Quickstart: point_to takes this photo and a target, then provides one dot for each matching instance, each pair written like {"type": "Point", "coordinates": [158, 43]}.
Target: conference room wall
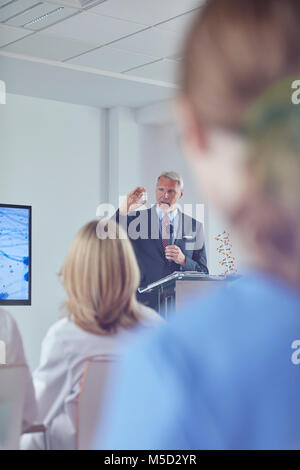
{"type": "Point", "coordinates": [125, 158]}
{"type": "Point", "coordinates": [52, 157]}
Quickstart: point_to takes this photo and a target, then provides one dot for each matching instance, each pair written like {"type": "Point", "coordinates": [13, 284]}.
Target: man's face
{"type": "Point", "coordinates": [168, 193]}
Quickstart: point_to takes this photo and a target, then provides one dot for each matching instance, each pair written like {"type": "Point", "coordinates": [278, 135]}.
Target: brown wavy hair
{"type": "Point", "coordinates": [236, 50]}
{"type": "Point", "coordinates": [239, 59]}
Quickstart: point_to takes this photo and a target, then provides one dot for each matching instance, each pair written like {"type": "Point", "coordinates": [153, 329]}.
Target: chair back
{"type": "Point", "coordinates": [12, 395]}
{"type": "Point", "coordinates": [93, 386]}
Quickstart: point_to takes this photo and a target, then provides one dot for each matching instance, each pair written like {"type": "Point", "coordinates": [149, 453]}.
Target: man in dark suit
{"type": "Point", "coordinates": [164, 239]}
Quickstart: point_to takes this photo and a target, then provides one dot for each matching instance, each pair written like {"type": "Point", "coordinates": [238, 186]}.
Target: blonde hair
{"type": "Point", "coordinates": [100, 277]}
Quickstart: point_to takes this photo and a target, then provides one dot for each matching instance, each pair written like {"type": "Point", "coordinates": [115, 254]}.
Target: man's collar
{"type": "Point", "coordinates": [161, 213]}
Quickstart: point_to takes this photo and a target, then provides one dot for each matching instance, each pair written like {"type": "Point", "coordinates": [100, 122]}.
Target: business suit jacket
{"type": "Point", "coordinates": [143, 230]}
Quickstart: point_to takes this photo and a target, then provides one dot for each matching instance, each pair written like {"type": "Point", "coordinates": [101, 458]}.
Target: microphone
{"type": "Point", "coordinates": [171, 241]}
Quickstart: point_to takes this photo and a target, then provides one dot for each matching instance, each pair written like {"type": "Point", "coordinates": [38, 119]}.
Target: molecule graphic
{"type": "Point", "coordinates": [225, 247]}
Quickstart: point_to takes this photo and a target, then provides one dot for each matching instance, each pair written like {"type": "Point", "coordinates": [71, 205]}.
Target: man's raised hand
{"type": "Point", "coordinates": [133, 201]}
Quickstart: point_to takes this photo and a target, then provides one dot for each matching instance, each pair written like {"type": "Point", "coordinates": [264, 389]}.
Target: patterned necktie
{"type": "Point", "coordinates": [165, 230]}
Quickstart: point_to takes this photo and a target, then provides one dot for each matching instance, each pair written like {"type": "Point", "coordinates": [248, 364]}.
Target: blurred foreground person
{"type": "Point", "coordinates": [14, 356]}
{"type": "Point", "coordinates": [224, 373]}
{"type": "Point", "coordinates": [100, 277]}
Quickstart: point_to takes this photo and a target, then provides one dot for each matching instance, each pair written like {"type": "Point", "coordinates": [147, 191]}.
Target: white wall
{"type": "Point", "coordinates": [53, 158]}
{"type": "Point", "coordinates": [160, 151]}
{"type": "Point", "coordinates": [125, 159]}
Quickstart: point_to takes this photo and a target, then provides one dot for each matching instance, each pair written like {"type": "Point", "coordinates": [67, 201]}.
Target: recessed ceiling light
{"type": "Point", "coordinates": [40, 18]}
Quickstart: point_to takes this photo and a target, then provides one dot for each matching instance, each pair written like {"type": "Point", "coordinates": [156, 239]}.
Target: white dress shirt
{"type": "Point", "coordinates": [173, 216]}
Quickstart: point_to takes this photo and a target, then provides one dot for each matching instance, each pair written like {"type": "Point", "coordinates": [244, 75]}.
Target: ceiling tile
{"type": "Point", "coordinates": [9, 34]}
{"type": "Point", "coordinates": [163, 70]}
{"type": "Point", "coordinates": [94, 28]}
{"type": "Point", "coordinates": [9, 9]}
{"type": "Point", "coordinates": [111, 59]}
{"type": "Point", "coordinates": [154, 42]}
{"type": "Point", "coordinates": [148, 12]}
{"type": "Point", "coordinates": [48, 47]}
{"type": "Point", "coordinates": [181, 24]}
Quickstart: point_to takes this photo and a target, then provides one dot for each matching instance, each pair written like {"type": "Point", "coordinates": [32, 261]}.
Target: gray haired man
{"type": "Point", "coordinates": [164, 238]}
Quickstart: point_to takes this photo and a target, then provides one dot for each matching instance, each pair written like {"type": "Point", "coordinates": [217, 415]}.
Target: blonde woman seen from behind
{"type": "Point", "coordinates": [100, 277]}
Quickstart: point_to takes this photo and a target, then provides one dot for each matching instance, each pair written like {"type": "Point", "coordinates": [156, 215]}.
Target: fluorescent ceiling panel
{"type": "Point", "coordinates": [41, 15]}
{"type": "Point", "coordinates": [9, 34]}
{"type": "Point", "coordinates": [111, 59]}
{"type": "Point", "coordinates": [163, 70]}
{"type": "Point", "coordinates": [56, 14]}
{"type": "Point", "coordinates": [40, 9]}
{"type": "Point", "coordinates": [153, 42]}
{"type": "Point", "coordinates": [48, 47]}
{"type": "Point", "coordinates": [148, 12]}
{"type": "Point", "coordinates": [94, 28]}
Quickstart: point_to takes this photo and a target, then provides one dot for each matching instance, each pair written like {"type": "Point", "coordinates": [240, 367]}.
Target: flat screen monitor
{"type": "Point", "coordinates": [15, 254]}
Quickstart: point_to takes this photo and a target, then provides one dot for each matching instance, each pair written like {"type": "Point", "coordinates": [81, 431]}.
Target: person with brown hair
{"type": "Point", "coordinates": [223, 374]}
{"type": "Point", "coordinates": [100, 277]}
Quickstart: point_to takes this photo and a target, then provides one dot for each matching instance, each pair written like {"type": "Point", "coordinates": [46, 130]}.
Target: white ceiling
{"type": "Point", "coordinates": [164, 68]}
{"type": "Point", "coordinates": [112, 59]}
{"type": "Point", "coordinates": [43, 79]}
{"type": "Point", "coordinates": [140, 40]}
{"type": "Point", "coordinates": [96, 29]}
{"type": "Point", "coordinates": [148, 12]}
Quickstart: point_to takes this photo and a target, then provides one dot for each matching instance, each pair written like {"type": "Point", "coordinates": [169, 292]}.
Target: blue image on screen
{"type": "Point", "coordinates": [14, 254]}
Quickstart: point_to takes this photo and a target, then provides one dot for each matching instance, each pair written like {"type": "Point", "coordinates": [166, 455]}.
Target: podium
{"type": "Point", "coordinates": [174, 290]}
